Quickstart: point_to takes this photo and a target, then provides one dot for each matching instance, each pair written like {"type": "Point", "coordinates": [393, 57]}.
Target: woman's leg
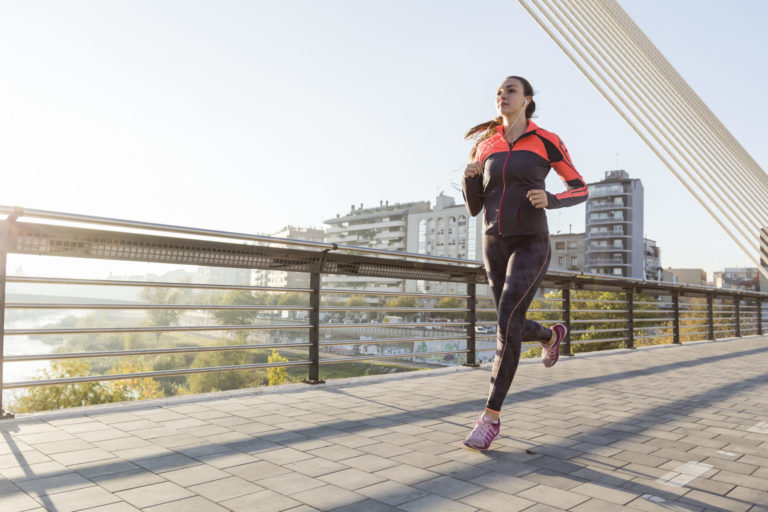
{"type": "Point", "coordinates": [525, 271]}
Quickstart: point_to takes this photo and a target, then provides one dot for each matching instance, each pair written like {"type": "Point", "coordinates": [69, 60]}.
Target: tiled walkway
{"type": "Point", "coordinates": [670, 428]}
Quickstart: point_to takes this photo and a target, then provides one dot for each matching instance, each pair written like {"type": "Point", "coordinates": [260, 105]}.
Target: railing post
{"type": "Point", "coordinates": [3, 263]}
{"type": "Point", "coordinates": [676, 322]}
{"type": "Point", "coordinates": [737, 300]}
{"type": "Point", "coordinates": [711, 317]}
{"type": "Point", "coordinates": [631, 319]}
{"type": "Point", "coordinates": [314, 329]}
{"type": "Point", "coordinates": [472, 322]}
{"type": "Point", "coordinates": [759, 305]}
{"type": "Point", "coordinates": [567, 319]}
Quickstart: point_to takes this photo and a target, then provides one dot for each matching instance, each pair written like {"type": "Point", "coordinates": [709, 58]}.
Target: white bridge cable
{"type": "Point", "coordinates": [726, 137]}
{"type": "Point", "coordinates": [686, 123]}
{"type": "Point", "coordinates": [711, 124]}
{"type": "Point", "coordinates": [660, 138]}
{"type": "Point", "coordinates": [655, 113]}
{"type": "Point", "coordinates": [726, 172]}
{"type": "Point", "coordinates": [667, 147]}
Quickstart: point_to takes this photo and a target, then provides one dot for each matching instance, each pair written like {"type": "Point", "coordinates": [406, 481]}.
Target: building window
{"type": "Point", "coordinates": [472, 240]}
{"type": "Point", "coordinates": [560, 246]}
{"type": "Point", "coordinates": [422, 236]}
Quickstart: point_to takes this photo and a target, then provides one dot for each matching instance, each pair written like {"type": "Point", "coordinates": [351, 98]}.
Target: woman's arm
{"type": "Point", "coordinates": [577, 191]}
{"type": "Point", "coordinates": [472, 187]}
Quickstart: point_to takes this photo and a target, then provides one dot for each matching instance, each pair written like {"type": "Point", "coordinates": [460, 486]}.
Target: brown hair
{"type": "Point", "coordinates": [486, 130]}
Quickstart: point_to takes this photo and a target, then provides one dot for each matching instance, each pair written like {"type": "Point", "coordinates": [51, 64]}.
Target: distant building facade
{"type": "Point", "coordinates": [280, 278]}
{"type": "Point", "coordinates": [697, 276]}
{"type": "Point", "coordinates": [223, 275]}
{"type": "Point", "coordinates": [738, 279]}
{"type": "Point", "coordinates": [446, 230]}
{"type": "Point", "coordinates": [653, 270]}
{"type": "Point", "coordinates": [382, 227]}
{"type": "Point", "coordinates": [614, 227]}
{"type": "Point", "coordinates": [567, 251]}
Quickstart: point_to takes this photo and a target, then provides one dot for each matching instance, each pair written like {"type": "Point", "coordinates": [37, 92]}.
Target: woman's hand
{"type": "Point", "coordinates": [538, 198]}
{"type": "Point", "coordinates": [473, 169]}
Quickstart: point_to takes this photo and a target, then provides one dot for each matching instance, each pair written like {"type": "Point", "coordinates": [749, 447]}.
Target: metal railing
{"type": "Point", "coordinates": [325, 322]}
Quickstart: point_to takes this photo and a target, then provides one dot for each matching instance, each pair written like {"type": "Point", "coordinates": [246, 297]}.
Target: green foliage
{"type": "Point", "coordinates": [452, 302]}
{"type": "Point", "coordinates": [356, 301]}
{"type": "Point", "coordinates": [401, 302]}
{"type": "Point", "coordinates": [161, 317]}
{"type": "Point", "coordinates": [276, 375]}
{"type": "Point", "coordinates": [42, 398]}
{"type": "Point", "coordinates": [238, 298]}
{"type": "Point", "coordinates": [222, 380]}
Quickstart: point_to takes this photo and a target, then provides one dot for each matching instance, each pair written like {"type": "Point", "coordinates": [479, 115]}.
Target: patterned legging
{"type": "Point", "coordinates": [515, 265]}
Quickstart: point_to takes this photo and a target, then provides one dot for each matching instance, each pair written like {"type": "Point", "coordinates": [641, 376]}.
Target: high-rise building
{"type": "Point", "coordinates": [567, 251]}
{"type": "Point", "coordinates": [280, 278]}
{"type": "Point", "coordinates": [381, 227]}
{"type": "Point", "coordinates": [446, 230]}
{"type": "Point", "coordinates": [653, 270]}
{"type": "Point", "coordinates": [614, 227]}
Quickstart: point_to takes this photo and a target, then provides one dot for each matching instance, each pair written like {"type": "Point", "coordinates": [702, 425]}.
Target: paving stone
{"type": "Point", "coordinates": [53, 484]}
{"type": "Point", "coordinates": [352, 479]}
{"type": "Point", "coordinates": [194, 475]}
{"type": "Point", "coordinates": [392, 493]}
{"type": "Point", "coordinates": [328, 497]}
{"type": "Point", "coordinates": [225, 489]}
{"type": "Point", "coordinates": [490, 499]}
{"type": "Point", "coordinates": [154, 494]}
{"type": "Point", "coordinates": [605, 493]}
{"type": "Point", "coordinates": [193, 504]}
{"type": "Point", "coordinates": [290, 483]}
{"type": "Point", "coordinates": [553, 496]}
{"type": "Point", "coordinates": [257, 470]}
{"type": "Point", "coordinates": [17, 502]}
{"type": "Point", "coordinates": [449, 487]}
{"type": "Point", "coordinates": [436, 504]}
{"type": "Point", "coordinates": [115, 482]}
{"type": "Point", "coordinates": [75, 499]}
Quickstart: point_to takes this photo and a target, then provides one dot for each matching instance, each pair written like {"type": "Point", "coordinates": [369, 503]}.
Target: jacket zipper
{"type": "Point", "coordinates": [504, 190]}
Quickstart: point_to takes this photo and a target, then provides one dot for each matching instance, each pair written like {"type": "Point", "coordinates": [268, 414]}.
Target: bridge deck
{"type": "Point", "coordinates": [666, 428]}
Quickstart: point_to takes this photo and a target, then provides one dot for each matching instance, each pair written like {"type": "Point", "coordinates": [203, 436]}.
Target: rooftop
{"type": "Point", "coordinates": [660, 428]}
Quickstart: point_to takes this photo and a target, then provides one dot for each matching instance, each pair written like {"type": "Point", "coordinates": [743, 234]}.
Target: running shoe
{"type": "Point", "coordinates": [550, 355]}
{"type": "Point", "coordinates": [483, 434]}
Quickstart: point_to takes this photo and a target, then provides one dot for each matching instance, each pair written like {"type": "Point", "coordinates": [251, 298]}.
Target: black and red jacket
{"type": "Point", "coordinates": [510, 171]}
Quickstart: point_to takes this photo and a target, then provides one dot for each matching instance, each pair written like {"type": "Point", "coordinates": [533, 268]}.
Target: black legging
{"type": "Point", "coordinates": [516, 266]}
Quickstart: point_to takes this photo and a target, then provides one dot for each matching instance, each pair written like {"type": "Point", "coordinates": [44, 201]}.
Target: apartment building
{"type": "Point", "coordinates": [614, 227]}
{"type": "Point", "coordinates": [280, 278]}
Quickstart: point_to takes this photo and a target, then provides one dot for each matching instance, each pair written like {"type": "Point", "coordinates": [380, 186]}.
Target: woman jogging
{"type": "Point", "coordinates": [510, 162]}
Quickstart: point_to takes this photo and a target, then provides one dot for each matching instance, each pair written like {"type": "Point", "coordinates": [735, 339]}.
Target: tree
{"type": "Point", "coordinates": [161, 317]}
{"type": "Point", "coordinates": [452, 302]}
{"type": "Point", "coordinates": [279, 374]}
{"type": "Point", "coordinates": [58, 396]}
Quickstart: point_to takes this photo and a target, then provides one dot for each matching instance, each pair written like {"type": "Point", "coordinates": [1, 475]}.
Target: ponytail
{"type": "Point", "coordinates": [482, 132]}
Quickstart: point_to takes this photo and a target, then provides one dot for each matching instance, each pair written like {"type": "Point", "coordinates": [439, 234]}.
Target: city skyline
{"type": "Point", "coordinates": [250, 116]}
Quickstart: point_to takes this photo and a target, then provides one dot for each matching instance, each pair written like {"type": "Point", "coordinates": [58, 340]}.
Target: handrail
{"type": "Point", "coordinates": [383, 335]}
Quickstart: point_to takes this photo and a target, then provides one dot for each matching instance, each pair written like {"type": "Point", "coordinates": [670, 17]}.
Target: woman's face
{"type": "Point", "coordinates": [510, 97]}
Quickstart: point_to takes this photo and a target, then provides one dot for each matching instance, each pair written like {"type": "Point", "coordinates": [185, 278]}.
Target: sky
{"type": "Point", "coordinates": [251, 115]}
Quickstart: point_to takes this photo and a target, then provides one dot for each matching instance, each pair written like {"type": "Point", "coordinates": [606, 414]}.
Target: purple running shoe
{"type": "Point", "coordinates": [550, 355]}
{"type": "Point", "coordinates": [483, 434]}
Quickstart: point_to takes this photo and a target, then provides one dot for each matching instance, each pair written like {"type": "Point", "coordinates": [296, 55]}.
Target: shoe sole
{"type": "Point", "coordinates": [473, 449]}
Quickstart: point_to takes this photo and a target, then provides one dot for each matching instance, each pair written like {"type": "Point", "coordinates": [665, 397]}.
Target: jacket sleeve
{"type": "Point", "coordinates": [473, 193]}
{"type": "Point", "coordinates": [576, 188]}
